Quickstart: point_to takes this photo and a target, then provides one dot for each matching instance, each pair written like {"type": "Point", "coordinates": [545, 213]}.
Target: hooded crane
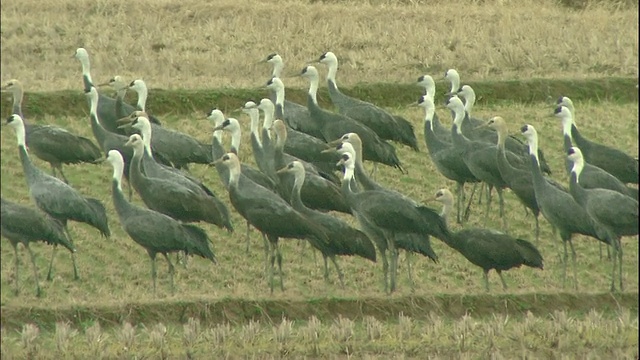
{"type": "Point", "coordinates": [156, 232]}
{"type": "Point", "coordinates": [489, 249]}
{"type": "Point", "coordinates": [418, 243]}
{"type": "Point", "coordinates": [269, 213]}
{"type": "Point", "coordinates": [343, 239]}
{"type": "Point", "coordinates": [56, 198]}
{"type": "Point", "coordinates": [591, 177]}
{"type": "Point", "coordinates": [428, 84]}
{"type": "Point", "coordinates": [301, 146]}
{"type": "Point", "coordinates": [333, 126]}
{"type": "Point", "coordinates": [23, 225]}
{"type": "Point", "coordinates": [558, 206]}
{"type": "Point", "coordinates": [118, 84]}
{"type": "Point", "coordinates": [177, 147]}
{"type": "Point", "coordinates": [262, 151]}
{"type": "Point", "coordinates": [609, 159]}
{"type": "Point", "coordinates": [217, 117]}
{"type": "Point", "coordinates": [296, 115]}
{"type": "Point", "coordinates": [317, 192]}
{"type": "Point", "coordinates": [614, 215]}
{"type": "Point", "coordinates": [479, 156]}
{"type": "Point", "coordinates": [307, 147]}
{"type": "Point", "coordinates": [390, 213]}
{"type": "Point", "coordinates": [106, 105]}
{"type": "Point", "coordinates": [53, 144]}
{"type": "Point", "coordinates": [446, 157]}
{"type": "Point", "coordinates": [387, 126]}
{"type": "Point", "coordinates": [108, 140]}
{"type": "Point", "coordinates": [473, 129]}
{"type": "Point", "coordinates": [173, 199]}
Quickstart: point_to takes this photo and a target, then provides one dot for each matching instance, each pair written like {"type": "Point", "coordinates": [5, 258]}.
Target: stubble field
{"type": "Point", "coordinates": [206, 47]}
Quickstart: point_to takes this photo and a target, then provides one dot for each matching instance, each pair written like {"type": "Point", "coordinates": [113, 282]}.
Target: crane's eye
{"type": "Point", "coordinates": [225, 158]}
{"type": "Point", "coordinates": [132, 83]}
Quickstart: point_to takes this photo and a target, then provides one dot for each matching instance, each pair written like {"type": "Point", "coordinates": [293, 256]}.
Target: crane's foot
{"type": "Point", "coordinates": [38, 292]}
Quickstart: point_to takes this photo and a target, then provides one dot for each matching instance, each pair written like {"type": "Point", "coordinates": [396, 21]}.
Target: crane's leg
{"type": "Point", "coordinates": [272, 260]}
{"type": "Point", "coordinates": [53, 170]}
{"type": "Point", "coordinates": [279, 258]}
{"type": "Point", "coordinates": [394, 265]}
{"type": "Point", "coordinates": [486, 279]}
{"type": "Point", "coordinates": [53, 255]}
{"type": "Point", "coordinates": [385, 269]}
{"type": "Point", "coordinates": [73, 255]}
{"type": "Point", "coordinates": [619, 248]}
{"type": "Point", "coordinates": [613, 270]}
{"type": "Point", "coordinates": [266, 251]}
{"type": "Point", "coordinates": [565, 258]}
{"type": "Point", "coordinates": [64, 178]}
{"type": "Point", "coordinates": [154, 273]}
{"type": "Point", "coordinates": [35, 272]}
{"type": "Point", "coordinates": [482, 185]}
{"type": "Point", "coordinates": [501, 203]}
{"type": "Point", "coordinates": [504, 283]}
{"type": "Point", "coordinates": [409, 256]}
{"type": "Point", "coordinates": [460, 195]}
{"type": "Point", "coordinates": [172, 271]}
{"type": "Point", "coordinates": [340, 275]}
{"type": "Point", "coordinates": [467, 211]}
{"type": "Point", "coordinates": [326, 268]}
{"type": "Point", "coordinates": [537, 216]}
{"type": "Point", "coordinates": [17, 264]}
{"type": "Point", "coordinates": [488, 204]}
{"type": "Point", "coordinates": [248, 239]}
{"type": "Point", "coordinates": [600, 249]}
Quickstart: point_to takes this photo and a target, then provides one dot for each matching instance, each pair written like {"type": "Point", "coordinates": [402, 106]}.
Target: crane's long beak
{"type": "Point", "coordinates": [103, 84]}
{"type": "Point", "coordinates": [125, 126]}
{"type": "Point", "coordinates": [216, 162]}
{"type": "Point", "coordinates": [219, 127]}
{"type": "Point", "coordinates": [100, 161]}
{"type": "Point", "coordinates": [128, 143]}
{"type": "Point", "coordinates": [328, 151]}
{"type": "Point", "coordinates": [413, 104]}
{"type": "Point", "coordinates": [335, 142]}
{"type": "Point", "coordinates": [482, 126]}
{"type": "Point", "coordinates": [124, 120]}
{"type": "Point", "coordinates": [283, 170]}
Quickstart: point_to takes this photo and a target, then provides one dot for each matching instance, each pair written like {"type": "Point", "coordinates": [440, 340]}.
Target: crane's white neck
{"type": "Point", "coordinates": [146, 138]}
{"type": "Point", "coordinates": [455, 82]}
{"type": "Point", "coordinates": [578, 165]}
{"type": "Point", "coordinates": [118, 169]}
{"type": "Point", "coordinates": [143, 92]}
{"type": "Point", "coordinates": [93, 106]}
{"type": "Point", "coordinates": [533, 145]}
{"type": "Point", "coordinates": [469, 101]}
{"type": "Point", "coordinates": [86, 68]}
{"type": "Point", "coordinates": [254, 114]}
{"type": "Point", "coordinates": [502, 136]}
{"type": "Point", "coordinates": [313, 88]}
{"type": "Point", "coordinates": [428, 117]}
{"type": "Point", "coordinates": [349, 172]}
{"type": "Point", "coordinates": [268, 118]}
{"type": "Point", "coordinates": [331, 73]}
{"type": "Point", "coordinates": [20, 133]}
{"type": "Point", "coordinates": [17, 100]}
{"type": "Point", "coordinates": [236, 136]}
{"type": "Point", "coordinates": [430, 91]}
{"type": "Point", "coordinates": [280, 95]}
{"type": "Point", "coordinates": [121, 93]}
{"type": "Point", "coordinates": [299, 179]}
{"type": "Point", "coordinates": [567, 121]}
{"type": "Point", "coordinates": [459, 116]}
{"type": "Point", "coordinates": [234, 174]}
{"type": "Point", "coordinates": [277, 69]}
{"type": "Point", "coordinates": [447, 206]}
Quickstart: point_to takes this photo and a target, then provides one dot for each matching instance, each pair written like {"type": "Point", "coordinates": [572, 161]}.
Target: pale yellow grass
{"type": "Point", "coordinates": [213, 44]}
{"type": "Point", "coordinates": [117, 269]}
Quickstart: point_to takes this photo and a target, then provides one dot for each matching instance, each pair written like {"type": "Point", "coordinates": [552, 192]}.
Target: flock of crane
{"type": "Point", "coordinates": [291, 193]}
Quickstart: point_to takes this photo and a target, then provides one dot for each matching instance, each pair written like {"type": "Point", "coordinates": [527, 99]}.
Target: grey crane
{"type": "Point", "coordinates": [389, 213]}
{"type": "Point", "coordinates": [473, 129]}
{"type": "Point", "coordinates": [268, 213]}
{"type": "Point", "coordinates": [296, 115]}
{"type": "Point", "coordinates": [612, 160]}
{"type": "Point", "coordinates": [172, 199]}
{"type": "Point", "coordinates": [262, 150]}
{"type": "Point", "coordinates": [258, 177]}
{"type": "Point", "coordinates": [108, 140]}
{"type": "Point", "coordinates": [50, 143]}
{"type": "Point", "coordinates": [479, 156]}
{"type": "Point", "coordinates": [410, 242]}
{"type": "Point", "coordinates": [428, 84]}
{"type": "Point", "coordinates": [22, 224]}
{"type": "Point", "coordinates": [558, 206]}
{"type": "Point", "coordinates": [489, 249]}
{"type": "Point", "coordinates": [179, 148]}
{"type": "Point", "coordinates": [301, 146]}
{"type": "Point", "coordinates": [155, 232]}
{"type": "Point", "coordinates": [306, 146]}
{"type": "Point", "coordinates": [57, 198]}
{"type": "Point", "coordinates": [591, 177]}
{"type": "Point", "coordinates": [447, 159]}
{"type": "Point", "coordinates": [386, 125]}
{"type": "Point", "coordinates": [343, 239]}
{"type": "Point", "coordinates": [614, 215]}
{"type": "Point", "coordinates": [118, 84]}
{"type": "Point", "coordinates": [106, 105]}
{"type": "Point", "coordinates": [333, 126]}
{"type": "Point", "coordinates": [317, 192]}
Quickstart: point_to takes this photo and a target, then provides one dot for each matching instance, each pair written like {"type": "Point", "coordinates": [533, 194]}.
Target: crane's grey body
{"type": "Point", "coordinates": [21, 224]}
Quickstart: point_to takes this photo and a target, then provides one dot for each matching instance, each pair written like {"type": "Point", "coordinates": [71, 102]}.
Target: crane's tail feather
{"type": "Point", "coordinates": [198, 243]}
{"type": "Point", "coordinates": [154, 120]}
{"type": "Point", "coordinates": [390, 157]}
{"type": "Point", "coordinates": [362, 246]}
{"type": "Point", "coordinates": [58, 235]}
{"type": "Point", "coordinates": [88, 151]}
{"type": "Point", "coordinates": [530, 254]}
{"type": "Point", "coordinates": [416, 243]}
{"type": "Point", "coordinates": [436, 224]}
{"type": "Point", "coordinates": [99, 218]}
{"type": "Point", "coordinates": [407, 133]}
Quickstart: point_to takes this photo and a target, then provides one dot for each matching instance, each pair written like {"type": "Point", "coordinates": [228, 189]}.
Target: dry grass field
{"type": "Point", "coordinates": [199, 44]}
{"type": "Point", "coordinates": [216, 45]}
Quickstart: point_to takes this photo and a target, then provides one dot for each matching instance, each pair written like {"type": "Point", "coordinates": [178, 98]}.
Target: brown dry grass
{"type": "Point", "coordinates": [199, 44]}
